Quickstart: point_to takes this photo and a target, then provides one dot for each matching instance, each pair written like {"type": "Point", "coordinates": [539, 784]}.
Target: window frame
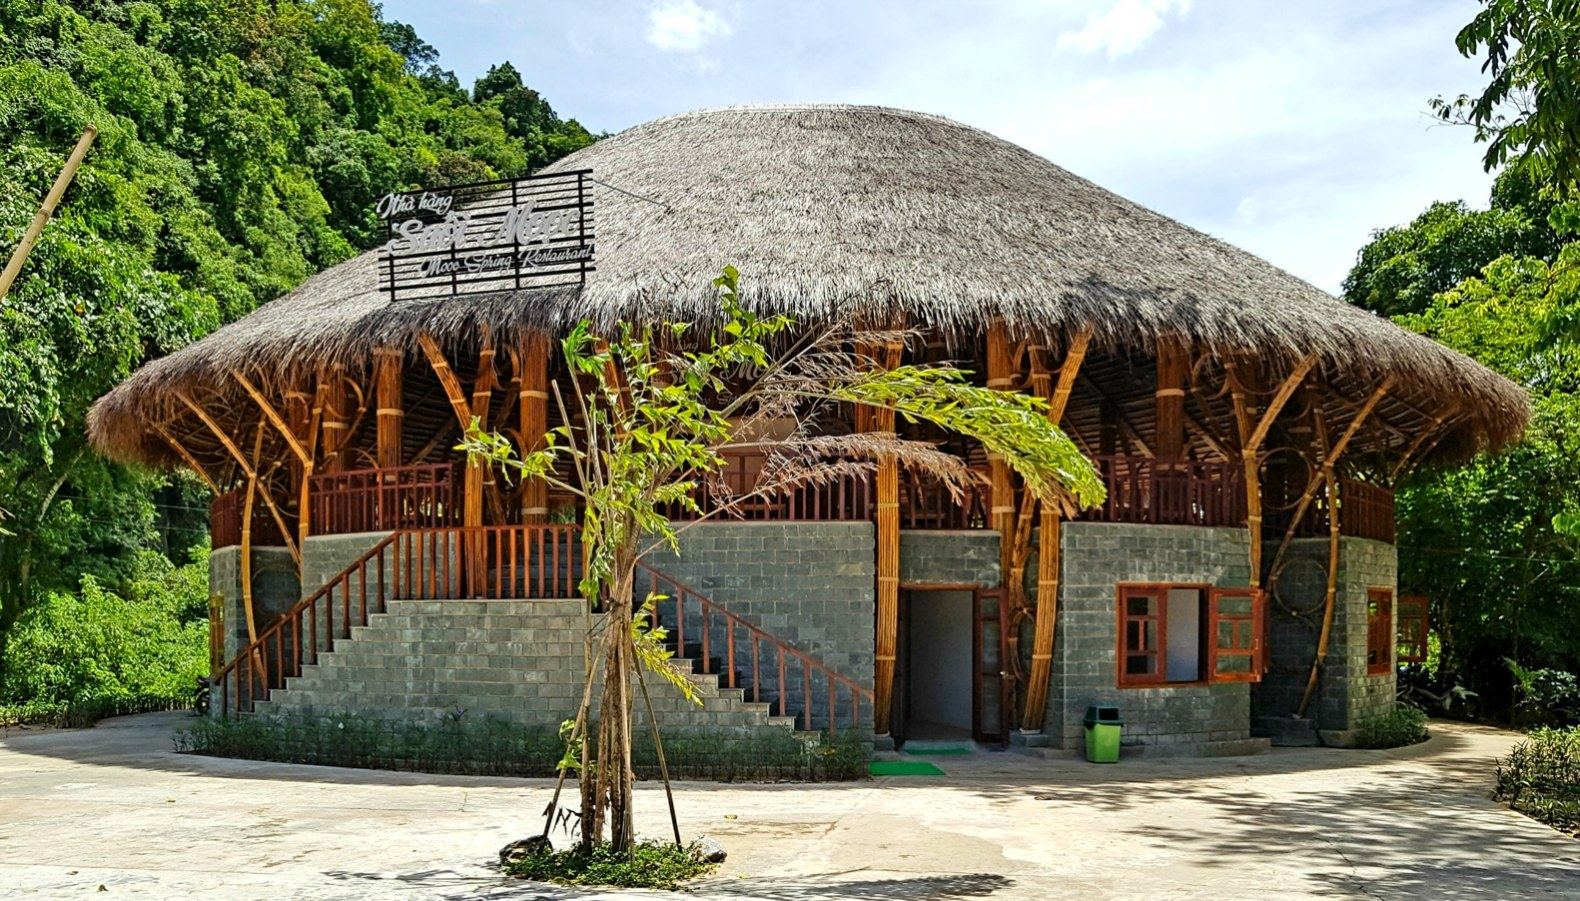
{"type": "Point", "coordinates": [1255, 627]}
{"type": "Point", "coordinates": [1379, 628]}
{"type": "Point", "coordinates": [1411, 629]}
{"type": "Point", "coordinates": [1160, 590]}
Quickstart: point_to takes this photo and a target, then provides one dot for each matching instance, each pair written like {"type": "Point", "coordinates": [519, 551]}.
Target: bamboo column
{"type": "Point", "coordinates": [1168, 441]}
{"type": "Point", "coordinates": [333, 420]}
{"type": "Point", "coordinates": [1048, 561]}
{"type": "Point", "coordinates": [533, 399]}
{"type": "Point", "coordinates": [391, 411]}
{"type": "Point", "coordinates": [1001, 512]}
{"type": "Point", "coordinates": [888, 556]}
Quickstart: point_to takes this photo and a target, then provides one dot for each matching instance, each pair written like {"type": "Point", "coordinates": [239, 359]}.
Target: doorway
{"type": "Point", "coordinates": [949, 684]}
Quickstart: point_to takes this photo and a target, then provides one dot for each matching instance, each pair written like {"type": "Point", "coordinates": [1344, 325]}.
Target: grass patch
{"type": "Point", "coordinates": [1404, 725]}
{"type": "Point", "coordinates": [654, 865]}
{"type": "Point", "coordinates": [903, 768]}
{"type": "Point", "coordinates": [1541, 778]}
{"type": "Point", "coordinates": [494, 747]}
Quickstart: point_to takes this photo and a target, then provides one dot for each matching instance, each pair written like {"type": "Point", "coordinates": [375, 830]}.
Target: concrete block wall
{"type": "Point", "coordinates": [1346, 694]}
{"type": "Point", "coordinates": [811, 584]}
{"type": "Point", "coordinates": [516, 660]}
{"type": "Point", "coordinates": [1095, 558]}
{"type": "Point", "coordinates": [967, 557]}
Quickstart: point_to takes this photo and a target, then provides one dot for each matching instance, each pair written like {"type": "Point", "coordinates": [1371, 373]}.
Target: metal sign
{"type": "Point", "coordinates": [488, 237]}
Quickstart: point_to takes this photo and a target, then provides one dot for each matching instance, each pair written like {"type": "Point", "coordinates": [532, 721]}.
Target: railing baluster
{"type": "Point", "coordinates": [729, 649]}
{"type": "Point", "coordinates": [806, 696]}
{"type": "Point", "coordinates": [784, 691]}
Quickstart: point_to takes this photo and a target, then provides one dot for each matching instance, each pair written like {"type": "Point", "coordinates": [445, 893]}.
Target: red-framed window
{"type": "Point", "coordinates": [1379, 631]}
{"type": "Point", "coordinates": [1413, 611]}
{"type": "Point", "coordinates": [1189, 634]}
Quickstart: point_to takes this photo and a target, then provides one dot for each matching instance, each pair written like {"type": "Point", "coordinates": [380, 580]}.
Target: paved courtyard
{"type": "Point", "coordinates": [115, 807]}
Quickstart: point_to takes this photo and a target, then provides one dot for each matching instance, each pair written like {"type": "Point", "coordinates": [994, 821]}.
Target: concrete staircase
{"type": "Point", "coordinates": [519, 660]}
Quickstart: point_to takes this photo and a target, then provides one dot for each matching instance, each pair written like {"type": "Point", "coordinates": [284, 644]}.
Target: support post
{"type": "Point", "coordinates": [1168, 441]}
{"type": "Point", "coordinates": [391, 410]}
{"type": "Point", "coordinates": [888, 559]}
{"type": "Point", "coordinates": [533, 400]}
{"type": "Point", "coordinates": [1001, 512]}
{"type": "Point", "coordinates": [335, 423]}
{"type": "Point", "coordinates": [1048, 561]}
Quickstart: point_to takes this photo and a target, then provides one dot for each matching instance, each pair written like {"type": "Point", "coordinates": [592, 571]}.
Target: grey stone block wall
{"type": "Point", "coordinates": [326, 556]}
{"type": "Point", "coordinates": [811, 584]}
{"type": "Point", "coordinates": [1346, 694]}
{"type": "Point", "coordinates": [1096, 558]}
{"type": "Point", "coordinates": [275, 589]}
{"type": "Point", "coordinates": [968, 557]}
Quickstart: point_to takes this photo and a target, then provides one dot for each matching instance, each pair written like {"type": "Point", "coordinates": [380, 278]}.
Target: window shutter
{"type": "Point", "coordinates": [1413, 628]}
{"type": "Point", "coordinates": [1236, 619]}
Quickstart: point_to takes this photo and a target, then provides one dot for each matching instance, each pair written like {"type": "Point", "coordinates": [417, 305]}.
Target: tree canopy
{"type": "Point", "coordinates": [241, 146]}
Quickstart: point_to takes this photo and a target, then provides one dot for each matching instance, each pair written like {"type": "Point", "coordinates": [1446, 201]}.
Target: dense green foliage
{"type": "Point", "coordinates": [490, 746]}
{"type": "Point", "coordinates": [1541, 778]}
{"type": "Point", "coordinates": [1403, 725]}
{"type": "Point", "coordinates": [1495, 544]}
{"type": "Point", "coordinates": [655, 865]}
{"type": "Point", "coordinates": [96, 650]}
{"type": "Point", "coordinates": [242, 144]}
{"type": "Point", "coordinates": [1531, 53]}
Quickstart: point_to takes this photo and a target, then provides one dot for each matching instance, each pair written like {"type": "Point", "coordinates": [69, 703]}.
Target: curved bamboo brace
{"type": "Point", "coordinates": [1251, 444]}
{"type": "Point", "coordinates": [1330, 599]}
{"type": "Point", "coordinates": [271, 414]}
{"type": "Point", "coordinates": [246, 538]}
{"type": "Point", "coordinates": [1421, 444]}
{"type": "Point", "coordinates": [186, 457]}
{"type": "Point", "coordinates": [246, 470]}
{"type": "Point", "coordinates": [1329, 459]}
{"type": "Point", "coordinates": [1045, 624]}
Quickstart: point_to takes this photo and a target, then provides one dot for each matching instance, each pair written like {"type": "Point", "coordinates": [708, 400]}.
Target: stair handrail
{"type": "Point", "coordinates": [257, 649]}
{"type": "Point", "coordinates": [679, 592]}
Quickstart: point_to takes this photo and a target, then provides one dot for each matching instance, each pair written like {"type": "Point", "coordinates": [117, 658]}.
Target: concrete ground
{"type": "Point", "coordinates": [111, 812]}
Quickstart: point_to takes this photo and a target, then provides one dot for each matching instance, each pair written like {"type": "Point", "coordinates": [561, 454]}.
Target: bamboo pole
{"type": "Point", "coordinates": [1001, 512]}
{"type": "Point", "coordinates": [1251, 445]}
{"type": "Point", "coordinates": [19, 256]}
{"type": "Point", "coordinates": [390, 410]}
{"type": "Point", "coordinates": [1048, 559]}
{"type": "Point", "coordinates": [888, 561]}
{"type": "Point", "coordinates": [246, 538]}
{"type": "Point", "coordinates": [1331, 597]}
{"type": "Point", "coordinates": [186, 457]}
{"type": "Point", "coordinates": [533, 400]}
{"type": "Point", "coordinates": [246, 469]}
{"type": "Point", "coordinates": [334, 425]}
{"type": "Point", "coordinates": [271, 414]}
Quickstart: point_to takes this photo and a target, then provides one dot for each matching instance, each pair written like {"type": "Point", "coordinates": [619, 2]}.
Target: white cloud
{"type": "Point", "coordinates": [684, 26]}
{"type": "Point", "coordinates": [1122, 28]}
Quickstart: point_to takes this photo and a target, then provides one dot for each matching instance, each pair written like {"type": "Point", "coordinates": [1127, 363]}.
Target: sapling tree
{"type": "Point", "coordinates": [653, 412]}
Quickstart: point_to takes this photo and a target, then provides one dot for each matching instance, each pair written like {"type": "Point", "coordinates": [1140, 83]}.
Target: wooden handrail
{"type": "Point", "coordinates": [377, 500]}
{"type": "Point", "coordinates": [678, 595]}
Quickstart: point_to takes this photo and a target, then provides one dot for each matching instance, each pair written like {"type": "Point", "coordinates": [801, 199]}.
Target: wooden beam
{"type": "Point", "coordinates": [271, 414]}
{"type": "Point", "coordinates": [246, 470]}
{"type": "Point", "coordinates": [186, 457]}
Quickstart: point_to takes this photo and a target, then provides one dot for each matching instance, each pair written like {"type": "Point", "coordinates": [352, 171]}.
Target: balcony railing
{"type": "Point", "coordinates": [847, 498]}
{"type": "Point", "coordinates": [1176, 493]}
{"type": "Point", "coordinates": [382, 500]}
{"type": "Point", "coordinates": [1365, 511]}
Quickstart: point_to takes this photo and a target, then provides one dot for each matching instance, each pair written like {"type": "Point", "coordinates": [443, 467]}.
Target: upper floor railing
{"type": "Point", "coordinates": [848, 497]}
{"type": "Point", "coordinates": [382, 500]}
{"type": "Point", "coordinates": [225, 517]}
{"type": "Point", "coordinates": [1365, 511]}
{"type": "Point", "coordinates": [1177, 493]}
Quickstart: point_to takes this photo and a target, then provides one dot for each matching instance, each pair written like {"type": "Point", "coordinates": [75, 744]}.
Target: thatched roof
{"type": "Point", "coordinates": [830, 210]}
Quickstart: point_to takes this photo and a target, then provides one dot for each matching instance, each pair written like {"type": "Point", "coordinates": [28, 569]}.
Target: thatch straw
{"type": "Point", "coordinates": [833, 210]}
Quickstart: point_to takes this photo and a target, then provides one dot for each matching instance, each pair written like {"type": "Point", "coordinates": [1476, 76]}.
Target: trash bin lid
{"type": "Point", "coordinates": [1103, 714]}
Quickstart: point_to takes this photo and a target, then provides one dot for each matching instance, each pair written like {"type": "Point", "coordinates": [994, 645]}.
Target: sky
{"type": "Point", "coordinates": [1290, 129]}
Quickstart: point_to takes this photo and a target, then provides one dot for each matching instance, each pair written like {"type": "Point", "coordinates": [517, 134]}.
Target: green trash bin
{"type": "Point", "coordinates": [1103, 728]}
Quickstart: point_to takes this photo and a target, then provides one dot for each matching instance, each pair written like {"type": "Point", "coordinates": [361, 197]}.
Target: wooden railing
{"type": "Point", "coordinates": [850, 498]}
{"type": "Point", "coordinates": [542, 561]}
{"type": "Point", "coordinates": [225, 521]}
{"type": "Point", "coordinates": [926, 504]}
{"type": "Point", "coordinates": [1184, 493]}
{"type": "Point", "coordinates": [1365, 511]}
{"type": "Point", "coordinates": [695, 622]}
{"type": "Point", "coordinates": [382, 500]}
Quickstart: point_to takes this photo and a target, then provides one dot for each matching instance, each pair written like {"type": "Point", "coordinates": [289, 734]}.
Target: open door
{"type": "Point", "coordinates": [1236, 651]}
{"type": "Point", "coordinates": [992, 689]}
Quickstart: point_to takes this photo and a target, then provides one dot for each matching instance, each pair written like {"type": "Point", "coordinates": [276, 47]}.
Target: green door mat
{"type": "Point", "coordinates": [937, 752]}
{"type": "Point", "coordinates": [903, 768]}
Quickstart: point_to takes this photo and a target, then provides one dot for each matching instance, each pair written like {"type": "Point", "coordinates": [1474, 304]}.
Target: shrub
{"type": "Point", "coordinates": [1541, 778]}
{"type": "Point", "coordinates": [495, 747]}
{"type": "Point", "coordinates": [1403, 725]}
{"type": "Point", "coordinates": [75, 656]}
{"type": "Point", "coordinates": [655, 865]}
{"type": "Point", "coordinates": [1544, 696]}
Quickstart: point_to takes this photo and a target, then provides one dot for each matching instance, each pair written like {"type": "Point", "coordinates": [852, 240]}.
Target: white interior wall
{"type": "Point", "coordinates": [1184, 636]}
{"type": "Point", "coordinates": [940, 657]}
